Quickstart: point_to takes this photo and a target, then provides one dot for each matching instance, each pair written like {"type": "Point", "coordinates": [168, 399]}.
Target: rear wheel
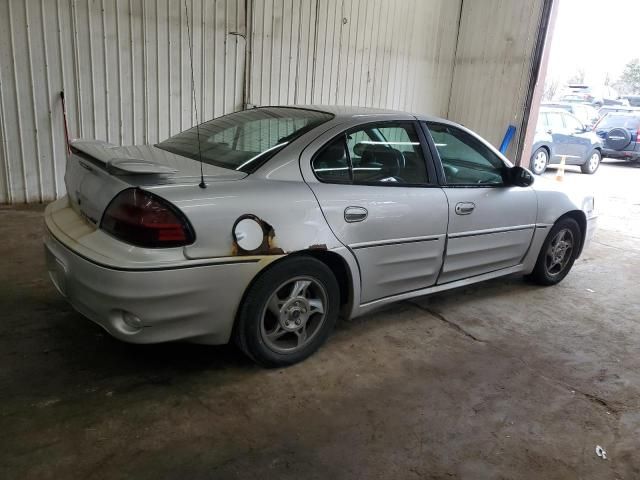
{"type": "Point", "coordinates": [592, 164]}
{"type": "Point", "coordinates": [558, 253]}
{"type": "Point", "coordinates": [539, 161]}
{"type": "Point", "coordinates": [288, 312]}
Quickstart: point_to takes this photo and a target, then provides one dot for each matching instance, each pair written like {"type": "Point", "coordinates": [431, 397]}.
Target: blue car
{"type": "Point", "coordinates": [620, 134]}
{"type": "Point", "coordinates": [560, 134]}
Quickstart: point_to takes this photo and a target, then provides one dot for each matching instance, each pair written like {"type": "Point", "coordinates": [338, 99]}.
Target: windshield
{"type": "Point", "coordinates": [622, 121]}
{"type": "Point", "coordinates": [244, 140]}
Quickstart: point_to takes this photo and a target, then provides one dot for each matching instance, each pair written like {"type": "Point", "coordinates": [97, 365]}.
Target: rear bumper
{"type": "Point", "coordinates": [620, 154]}
{"type": "Point", "coordinates": [185, 302]}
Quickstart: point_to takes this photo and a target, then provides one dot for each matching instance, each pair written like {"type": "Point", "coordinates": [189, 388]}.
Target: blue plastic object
{"type": "Point", "coordinates": [508, 136]}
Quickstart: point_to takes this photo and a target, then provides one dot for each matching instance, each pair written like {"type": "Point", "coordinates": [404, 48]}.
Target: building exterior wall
{"type": "Point", "coordinates": [126, 71]}
{"type": "Point", "coordinates": [382, 53]}
{"type": "Point", "coordinates": [125, 68]}
{"type": "Point", "coordinates": [493, 66]}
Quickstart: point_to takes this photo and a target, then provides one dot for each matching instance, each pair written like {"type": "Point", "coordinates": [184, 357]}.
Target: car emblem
{"type": "Point", "coordinates": [616, 138]}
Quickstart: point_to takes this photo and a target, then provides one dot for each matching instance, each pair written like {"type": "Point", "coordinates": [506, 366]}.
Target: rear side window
{"type": "Point", "coordinates": [332, 164]}
{"type": "Point", "coordinates": [385, 154]}
{"type": "Point", "coordinates": [554, 120]}
{"type": "Point", "coordinates": [542, 121]}
{"type": "Point", "coordinates": [620, 121]}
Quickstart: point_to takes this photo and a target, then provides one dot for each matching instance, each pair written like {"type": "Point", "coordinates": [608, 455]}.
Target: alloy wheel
{"type": "Point", "coordinates": [539, 161]}
{"type": "Point", "coordinates": [559, 252]}
{"type": "Point", "coordinates": [293, 315]}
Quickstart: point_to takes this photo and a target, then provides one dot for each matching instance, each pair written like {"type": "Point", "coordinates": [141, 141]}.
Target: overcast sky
{"type": "Point", "coordinates": [598, 36]}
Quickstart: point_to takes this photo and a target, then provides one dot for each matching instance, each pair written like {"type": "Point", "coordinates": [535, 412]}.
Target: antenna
{"type": "Point", "coordinates": [193, 96]}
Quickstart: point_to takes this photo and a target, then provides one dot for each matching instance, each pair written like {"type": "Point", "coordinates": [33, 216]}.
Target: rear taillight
{"type": "Point", "coordinates": [143, 219]}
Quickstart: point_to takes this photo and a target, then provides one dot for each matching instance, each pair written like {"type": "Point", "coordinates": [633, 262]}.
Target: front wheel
{"type": "Point", "coordinates": [288, 312]}
{"type": "Point", "coordinates": [558, 253]}
{"type": "Point", "coordinates": [539, 161]}
{"type": "Point", "coordinates": [592, 164]}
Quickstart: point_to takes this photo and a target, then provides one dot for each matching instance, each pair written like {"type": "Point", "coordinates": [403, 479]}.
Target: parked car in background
{"type": "Point", "coordinates": [561, 134]}
{"type": "Point", "coordinates": [585, 113]}
{"type": "Point", "coordinates": [634, 100]}
{"type": "Point", "coordinates": [303, 214]}
{"type": "Point", "coordinates": [619, 109]}
{"type": "Point", "coordinates": [620, 134]}
{"type": "Point", "coordinates": [596, 96]}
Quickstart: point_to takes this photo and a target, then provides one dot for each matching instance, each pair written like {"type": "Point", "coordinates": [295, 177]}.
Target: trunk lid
{"type": "Point", "coordinates": [97, 171]}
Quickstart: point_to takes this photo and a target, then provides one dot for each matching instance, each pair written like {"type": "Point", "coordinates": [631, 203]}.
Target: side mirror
{"type": "Point", "coordinates": [520, 177]}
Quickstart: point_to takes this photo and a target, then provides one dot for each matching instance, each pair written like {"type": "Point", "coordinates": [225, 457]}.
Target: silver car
{"type": "Point", "coordinates": [266, 225]}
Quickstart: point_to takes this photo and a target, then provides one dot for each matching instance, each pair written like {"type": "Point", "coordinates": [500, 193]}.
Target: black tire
{"type": "Point", "coordinates": [539, 161]}
{"type": "Point", "coordinates": [591, 165]}
{"type": "Point", "coordinates": [250, 332]}
{"type": "Point", "coordinates": [542, 274]}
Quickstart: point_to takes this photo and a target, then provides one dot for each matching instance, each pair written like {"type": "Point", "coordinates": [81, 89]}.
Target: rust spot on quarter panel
{"type": "Point", "coordinates": [267, 247]}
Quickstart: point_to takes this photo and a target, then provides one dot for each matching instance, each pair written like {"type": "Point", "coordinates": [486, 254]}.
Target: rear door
{"type": "Point", "coordinates": [490, 224]}
{"type": "Point", "coordinates": [378, 192]}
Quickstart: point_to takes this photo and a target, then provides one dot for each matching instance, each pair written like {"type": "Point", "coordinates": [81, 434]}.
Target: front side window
{"type": "Point", "coordinates": [465, 159]}
{"type": "Point", "coordinates": [385, 154]}
{"type": "Point", "coordinates": [572, 123]}
{"type": "Point", "coordinates": [244, 140]}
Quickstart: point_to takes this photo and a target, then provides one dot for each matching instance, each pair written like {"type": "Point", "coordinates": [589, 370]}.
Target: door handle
{"type": "Point", "coordinates": [465, 208]}
{"type": "Point", "coordinates": [355, 214]}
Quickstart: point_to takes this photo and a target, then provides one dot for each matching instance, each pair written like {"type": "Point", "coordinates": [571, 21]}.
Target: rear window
{"type": "Point", "coordinates": [620, 121]}
{"type": "Point", "coordinates": [244, 140]}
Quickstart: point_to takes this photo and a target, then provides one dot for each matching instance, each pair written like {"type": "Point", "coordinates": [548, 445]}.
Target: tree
{"type": "Point", "coordinates": [578, 77]}
{"type": "Point", "coordinates": [629, 81]}
{"type": "Point", "coordinates": [550, 89]}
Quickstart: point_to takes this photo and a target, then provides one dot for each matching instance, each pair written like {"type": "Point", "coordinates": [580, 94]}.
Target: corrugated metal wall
{"type": "Point", "coordinates": [125, 68]}
{"type": "Point", "coordinates": [493, 64]}
{"type": "Point", "coordinates": [383, 53]}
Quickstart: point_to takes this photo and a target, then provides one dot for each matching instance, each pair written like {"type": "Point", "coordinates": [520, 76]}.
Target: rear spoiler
{"type": "Point", "coordinates": [98, 153]}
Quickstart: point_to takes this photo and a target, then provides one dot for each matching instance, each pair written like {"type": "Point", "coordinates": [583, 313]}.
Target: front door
{"type": "Point", "coordinates": [374, 189]}
{"type": "Point", "coordinates": [490, 224]}
{"type": "Point", "coordinates": [579, 141]}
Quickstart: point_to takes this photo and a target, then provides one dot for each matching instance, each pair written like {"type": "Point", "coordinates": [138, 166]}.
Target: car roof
{"type": "Point", "coordinates": [349, 112]}
{"type": "Point", "coordinates": [625, 114]}
{"type": "Point", "coordinates": [552, 108]}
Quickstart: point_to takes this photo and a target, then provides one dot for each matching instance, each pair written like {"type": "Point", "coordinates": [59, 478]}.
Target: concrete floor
{"type": "Point", "coordinates": [499, 380]}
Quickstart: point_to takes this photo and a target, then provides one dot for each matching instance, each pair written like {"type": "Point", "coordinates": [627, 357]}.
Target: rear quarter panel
{"type": "Point", "coordinates": [289, 213]}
